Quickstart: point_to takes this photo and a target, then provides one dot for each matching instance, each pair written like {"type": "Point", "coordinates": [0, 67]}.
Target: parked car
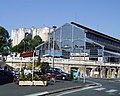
{"type": "Point", "coordinates": [6, 76]}
{"type": "Point", "coordinates": [57, 74]}
{"type": "Point", "coordinates": [50, 76]}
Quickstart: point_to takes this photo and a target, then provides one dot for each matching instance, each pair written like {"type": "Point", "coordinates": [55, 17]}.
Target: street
{"type": "Point", "coordinates": [108, 88]}
{"type": "Point", "coordinates": [13, 89]}
{"type": "Point", "coordinates": [104, 87]}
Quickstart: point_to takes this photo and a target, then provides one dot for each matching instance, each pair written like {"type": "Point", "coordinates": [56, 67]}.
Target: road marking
{"type": "Point", "coordinates": [38, 94]}
{"type": "Point", "coordinates": [99, 89]}
{"type": "Point", "coordinates": [98, 84]}
{"type": "Point", "coordinates": [111, 91]}
{"type": "Point", "coordinates": [81, 89]}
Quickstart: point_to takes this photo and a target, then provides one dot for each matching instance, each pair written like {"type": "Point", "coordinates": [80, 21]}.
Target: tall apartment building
{"type": "Point", "coordinates": [19, 34]}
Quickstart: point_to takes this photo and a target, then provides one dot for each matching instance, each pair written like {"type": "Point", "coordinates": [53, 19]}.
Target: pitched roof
{"type": "Point", "coordinates": [96, 32]}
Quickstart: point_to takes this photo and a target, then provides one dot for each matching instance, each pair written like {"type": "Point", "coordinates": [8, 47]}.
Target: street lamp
{"type": "Point", "coordinates": [33, 65]}
{"type": "Point", "coordinates": [84, 79]}
{"type": "Point", "coordinates": [54, 27]}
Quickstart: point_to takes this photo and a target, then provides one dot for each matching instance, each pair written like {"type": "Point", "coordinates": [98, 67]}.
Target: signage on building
{"type": "Point", "coordinates": [79, 54]}
{"type": "Point", "coordinates": [37, 52]}
{"type": "Point", "coordinates": [26, 54]}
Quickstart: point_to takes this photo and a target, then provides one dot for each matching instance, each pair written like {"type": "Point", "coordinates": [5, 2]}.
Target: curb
{"type": "Point", "coordinates": [65, 89]}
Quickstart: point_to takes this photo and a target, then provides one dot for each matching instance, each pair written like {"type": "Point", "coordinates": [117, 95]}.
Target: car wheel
{"type": "Point", "coordinates": [63, 78]}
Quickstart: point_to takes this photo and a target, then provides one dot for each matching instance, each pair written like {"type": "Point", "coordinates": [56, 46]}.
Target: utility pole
{"type": "Point", "coordinates": [84, 79]}
{"type": "Point", "coordinates": [54, 27]}
{"type": "Point", "coordinates": [33, 66]}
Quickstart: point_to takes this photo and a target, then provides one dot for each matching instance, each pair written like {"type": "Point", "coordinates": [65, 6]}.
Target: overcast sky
{"type": "Point", "coordinates": [100, 15]}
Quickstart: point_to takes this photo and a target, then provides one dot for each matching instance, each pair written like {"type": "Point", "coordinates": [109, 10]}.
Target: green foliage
{"type": "Point", "coordinates": [22, 76]}
{"type": "Point", "coordinates": [36, 77]}
{"type": "Point", "coordinates": [15, 48]}
{"type": "Point", "coordinates": [5, 43]}
{"type": "Point", "coordinates": [29, 77]}
{"type": "Point", "coordinates": [27, 44]}
{"type": "Point", "coordinates": [36, 41]}
{"type": "Point", "coordinates": [29, 66]}
{"type": "Point", "coordinates": [9, 44]}
{"type": "Point", "coordinates": [43, 66]}
{"type": "Point", "coordinates": [43, 78]}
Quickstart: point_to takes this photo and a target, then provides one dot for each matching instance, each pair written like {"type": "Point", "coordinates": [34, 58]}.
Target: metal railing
{"type": "Point", "coordinates": [11, 60]}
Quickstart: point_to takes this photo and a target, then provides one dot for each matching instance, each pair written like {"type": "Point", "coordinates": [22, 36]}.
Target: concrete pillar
{"type": "Point", "coordinates": [66, 68]}
{"type": "Point", "coordinates": [113, 73]}
{"type": "Point", "coordinates": [109, 73]}
{"type": "Point", "coordinates": [84, 77]}
{"type": "Point", "coordinates": [92, 72]}
{"type": "Point", "coordinates": [103, 72]}
{"type": "Point", "coordinates": [81, 71]}
{"type": "Point", "coordinates": [69, 68]}
{"type": "Point", "coordinates": [118, 76]}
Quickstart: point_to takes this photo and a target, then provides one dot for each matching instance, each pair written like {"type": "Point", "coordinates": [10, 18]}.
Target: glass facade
{"type": "Point", "coordinates": [72, 41]}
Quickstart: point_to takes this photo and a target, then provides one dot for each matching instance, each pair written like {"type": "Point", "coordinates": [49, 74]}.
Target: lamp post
{"type": "Point", "coordinates": [33, 66]}
{"type": "Point", "coordinates": [54, 27]}
{"type": "Point", "coordinates": [84, 79]}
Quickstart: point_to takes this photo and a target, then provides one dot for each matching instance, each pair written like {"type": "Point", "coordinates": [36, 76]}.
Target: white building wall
{"type": "Point", "coordinates": [18, 34]}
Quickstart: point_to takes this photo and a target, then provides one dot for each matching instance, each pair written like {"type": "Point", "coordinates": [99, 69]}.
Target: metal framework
{"type": "Point", "coordinates": [71, 41]}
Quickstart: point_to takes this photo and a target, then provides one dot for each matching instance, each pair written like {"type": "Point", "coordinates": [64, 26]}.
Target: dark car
{"type": "Point", "coordinates": [50, 76]}
{"type": "Point", "coordinates": [6, 76]}
{"type": "Point", "coordinates": [57, 74]}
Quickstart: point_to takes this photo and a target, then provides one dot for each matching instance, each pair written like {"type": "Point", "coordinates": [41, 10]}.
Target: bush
{"type": "Point", "coordinates": [36, 77]}
{"type": "Point", "coordinates": [43, 78]}
{"type": "Point", "coordinates": [22, 76]}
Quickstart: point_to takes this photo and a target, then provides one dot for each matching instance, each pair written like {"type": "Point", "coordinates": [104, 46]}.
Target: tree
{"type": "Point", "coordinates": [43, 66]}
{"type": "Point", "coordinates": [37, 40]}
{"type": "Point", "coordinates": [15, 48]}
{"type": "Point", "coordinates": [27, 44]}
{"type": "Point", "coordinates": [4, 42]}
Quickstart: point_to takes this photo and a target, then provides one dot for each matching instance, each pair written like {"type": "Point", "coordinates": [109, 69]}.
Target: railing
{"type": "Point", "coordinates": [71, 61]}
{"type": "Point", "coordinates": [11, 60]}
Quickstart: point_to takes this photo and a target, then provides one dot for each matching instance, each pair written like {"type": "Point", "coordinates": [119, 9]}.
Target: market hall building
{"type": "Point", "coordinates": [76, 46]}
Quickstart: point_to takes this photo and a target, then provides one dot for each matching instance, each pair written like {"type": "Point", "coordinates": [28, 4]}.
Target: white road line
{"type": "Point", "coordinates": [99, 89]}
{"type": "Point", "coordinates": [112, 90]}
{"type": "Point", "coordinates": [98, 84]}
{"type": "Point", "coordinates": [37, 94]}
{"type": "Point", "coordinates": [81, 89]}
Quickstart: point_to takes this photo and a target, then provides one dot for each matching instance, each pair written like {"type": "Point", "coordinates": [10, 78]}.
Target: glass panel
{"type": "Point", "coordinates": [66, 44]}
{"type": "Point", "coordinates": [78, 44]}
{"type": "Point", "coordinates": [57, 35]}
{"type": "Point", "coordinates": [78, 33]}
{"type": "Point", "coordinates": [66, 32]}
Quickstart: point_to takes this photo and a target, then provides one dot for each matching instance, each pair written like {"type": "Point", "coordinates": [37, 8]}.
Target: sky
{"type": "Point", "coordinates": [100, 15]}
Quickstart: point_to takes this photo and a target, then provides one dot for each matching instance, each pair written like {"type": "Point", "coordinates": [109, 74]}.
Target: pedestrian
{"type": "Point", "coordinates": [26, 71]}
